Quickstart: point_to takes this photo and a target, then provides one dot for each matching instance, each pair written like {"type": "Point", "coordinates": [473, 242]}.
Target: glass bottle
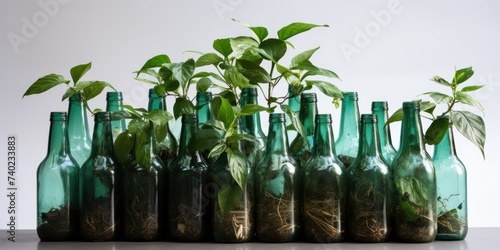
{"type": "Point", "coordinates": [204, 107]}
{"type": "Point", "coordinates": [277, 186]}
{"type": "Point", "coordinates": [114, 102]}
{"type": "Point", "coordinates": [188, 207]}
{"type": "Point", "coordinates": [294, 103]}
{"type": "Point", "coordinates": [78, 129]}
{"type": "Point", "coordinates": [57, 186]}
{"type": "Point", "coordinates": [236, 225]}
{"type": "Point", "coordinates": [380, 109]}
{"type": "Point", "coordinates": [451, 188]}
{"type": "Point", "coordinates": [415, 182]}
{"type": "Point", "coordinates": [300, 148]}
{"type": "Point", "coordinates": [250, 124]}
{"type": "Point", "coordinates": [347, 142]}
{"type": "Point", "coordinates": [370, 188]}
{"type": "Point", "coordinates": [100, 183]}
{"type": "Point", "coordinates": [324, 188]}
{"type": "Point", "coordinates": [166, 149]}
{"type": "Point", "coordinates": [144, 195]}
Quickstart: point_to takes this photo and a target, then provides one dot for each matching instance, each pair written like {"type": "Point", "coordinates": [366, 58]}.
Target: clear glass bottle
{"type": "Point", "coordinates": [451, 179]}
{"type": "Point", "coordinates": [114, 102]}
{"type": "Point", "coordinates": [78, 129]}
{"type": "Point", "coordinates": [100, 184]}
{"type": "Point", "coordinates": [277, 188]}
{"type": "Point", "coordinates": [166, 149]}
{"type": "Point", "coordinates": [370, 188]}
{"type": "Point", "coordinates": [324, 188]}
{"type": "Point", "coordinates": [300, 148]}
{"type": "Point", "coordinates": [415, 182]}
{"type": "Point", "coordinates": [380, 109]}
{"type": "Point", "coordinates": [204, 107]}
{"type": "Point", "coordinates": [188, 211]}
{"type": "Point", "coordinates": [347, 142]}
{"type": "Point", "coordinates": [250, 124]}
{"type": "Point", "coordinates": [144, 196]}
{"type": "Point", "coordinates": [57, 186]}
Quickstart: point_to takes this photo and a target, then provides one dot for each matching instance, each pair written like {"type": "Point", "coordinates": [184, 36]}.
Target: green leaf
{"type": "Point", "coordinates": [92, 89]}
{"type": "Point", "coordinates": [182, 71]}
{"type": "Point", "coordinates": [396, 116]}
{"type": "Point", "coordinates": [228, 197]}
{"type": "Point", "coordinates": [468, 99]}
{"type": "Point", "coordinates": [326, 88]}
{"type": "Point", "coordinates": [250, 109]}
{"type": "Point", "coordinates": [78, 71]}
{"type": "Point", "coordinates": [253, 71]}
{"type": "Point", "coordinates": [472, 88]}
{"type": "Point", "coordinates": [154, 62]}
{"type": "Point", "coordinates": [426, 106]}
{"type": "Point", "coordinates": [294, 118]}
{"type": "Point", "coordinates": [409, 212]}
{"type": "Point", "coordinates": [204, 84]}
{"type": "Point", "coordinates": [207, 74]}
{"type": "Point", "coordinates": [183, 106]}
{"type": "Point", "coordinates": [302, 57]}
{"type": "Point", "coordinates": [217, 150]}
{"type": "Point", "coordinates": [241, 44]}
{"type": "Point", "coordinates": [471, 126]}
{"type": "Point", "coordinates": [463, 75]}
{"type": "Point", "coordinates": [260, 32]}
{"type": "Point", "coordinates": [215, 124]}
{"type": "Point", "coordinates": [223, 111]}
{"type": "Point", "coordinates": [234, 78]}
{"type": "Point", "coordinates": [439, 97]}
{"type": "Point", "coordinates": [223, 46]}
{"type": "Point", "coordinates": [238, 165]}
{"type": "Point", "coordinates": [158, 117]}
{"type": "Point", "coordinates": [136, 125]}
{"type": "Point", "coordinates": [123, 146]}
{"type": "Point", "coordinates": [229, 96]}
{"type": "Point", "coordinates": [209, 59]}
{"type": "Point", "coordinates": [171, 85]}
{"type": "Point", "coordinates": [437, 130]}
{"type": "Point", "coordinates": [146, 81]}
{"type": "Point", "coordinates": [295, 29]}
{"type": "Point", "coordinates": [274, 47]}
{"type": "Point", "coordinates": [69, 92]}
{"type": "Point", "coordinates": [161, 132]}
{"type": "Point", "coordinates": [441, 81]}
{"type": "Point", "coordinates": [45, 83]}
{"type": "Point", "coordinates": [142, 153]}
{"type": "Point", "coordinates": [320, 72]}
{"type": "Point", "coordinates": [165, 73]}
{"type": "Point", "coordinates": [205, 138]}
{"type": "Point", "coordinates": [241, 137]}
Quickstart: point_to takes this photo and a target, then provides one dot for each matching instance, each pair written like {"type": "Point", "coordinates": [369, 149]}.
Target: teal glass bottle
{"type": "Point", "coordinates": [166, 149]}
{"type": "Point", "coordinates": [188, 206]}
{"type": "Point", "coordinates": [277, 185]}
{"type": "Point", "coordinates": [301, 147]}
{"type": "Point", "coordinates": [415, 182]}
{"type": "Point", "coordinates": [380, 109]}
{"type": "Point", "coordinates": [237, 224]}
{"type": "Point", "coordinates": [114, 102]}
{"type": "Point", "coordinates": [370, 188]}
{"type": "Point", "coordinates": [78, 129]}
{"type": "Point", "coordinates": [294, 103]}
{"type": "Point", "coordinates": [57, 186]}
{"type": "Point", "coordinates": [347, 142]}
{"type": "Point", "coordinates": [324, 188]}
{"type": "Point", "coordinates": [451, 190]}
{"type": "Point", "coordinates": [144, 195]}
{"type": "Point", "coordinates": [100, 184]}
{"type": "Point", "coordinates": [204, 107]}
{"type": "Point", "coordinates": [250, 124]}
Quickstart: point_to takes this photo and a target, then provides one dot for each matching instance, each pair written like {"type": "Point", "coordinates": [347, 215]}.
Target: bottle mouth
{"type": "Point", "coordinates": [153, 94]}
{"type": "Point", "coordinates": [204, 95]}
{"type": "Point", "coordinates": [350, 96]}
{"type": "Point", "coordinates": [411, 105]}
{"type": "Point", "coordinates": [103, 116]}
{"type": "Point", "coordinates": [114, 96]}
{"type": "Point", "coordinates": [323, 118]}
{"type": "Point", "coordinates": [76, 97]}
{"type": "Point", "coordinates": [277, 117]}
{"type": "Point", "coordinates": [368, 118]}
{"type": "Point", "coordinates": [189, 118]}
{"type": "Point", "coordinates": [249, 92]}
{"type": "Point", "coordinates": [308, 97]}
{"type": "Point", "coordinates": [379, 105]}
{"type": "Point", "coordinates": [58, 116]}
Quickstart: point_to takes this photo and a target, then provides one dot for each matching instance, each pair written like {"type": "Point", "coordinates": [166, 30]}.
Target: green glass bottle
{"type": "Point", "coordinates": [114, 102]}
{"type": "Point", "coordinates": [250, 124]}
{"type": "Point", "coordinates": [144, 195]}
{"type": "Point", "coordinates": [277, 188]}
{"type": "Point", "coordinates": [188, 207]}
{"type": "Point", "coordinates": [370, 188]}
{"type": "Point", "coordinates": [415, 182]}
{"type": "Point", "coordinates": [347, 142]}
{"type": "Point", "coordinates": [100, 183]}
{"type": "Point", "coordinates": [166, 149]}
{"type": "Point", "coordinates": [324, 188]}
{"type": "Point", "coordinates": [204, 107]}
{"type": "Point", "coordinates": [237, 224]}
{"type": "Point", "coordinates": [380, 109]}
{"type": "Point", "coordinates": [78, 129]}
{"type": "Point", "coordinates": [57, 186]}
{"type": "Point", "coordinates": [294, 103]}
{"type": "Point", "coordinates": [300, 148]}
{"type": "Point", "coordinates": [451, 179]}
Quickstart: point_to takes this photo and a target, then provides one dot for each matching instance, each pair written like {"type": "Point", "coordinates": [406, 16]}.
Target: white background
{"type": "Point", "coordinates": [396, 46]}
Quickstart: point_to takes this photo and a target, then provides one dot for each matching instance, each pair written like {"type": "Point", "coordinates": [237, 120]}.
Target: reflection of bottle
{"type": "Point", "coordinates": [78, 129]}
{"type": "Point", "coordinates": [300, 148]}
{"type": "Point", "coordinates": [250, 124]}
{"type": "Point", "coordinates": [57, 186]}
{"type": "Point", "coordinates": [415, 182]}
{"type": "Point", "coordinates": [370, 188]}
{"type": "Point", "coordinates": [388, 151]}
{"type": "Point", "coordinates": [452, 190]}
{"type": "Point", "coordinates": [347, 142]}
{"type": "Point", "coordinates": [114, 102]}
{"type": "Point", "coordinates": [166, 149]}
{"type": "Point", "coordinates": [324, 188]}
{"type": "Point", "coordinates": [188, 207]}
{"type": "Point", "coordinates": [277, 188]}
{"type": "Point", "coordinates": [100, 183]}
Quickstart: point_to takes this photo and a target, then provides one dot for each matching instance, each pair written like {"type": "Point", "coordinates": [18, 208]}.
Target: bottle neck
{"type": "Point", "coordinates": [369, 144]}
{"type": "Point", "coordinates": [308, 111]}
{"type": "Point", "coordinates": [383, 130]}
{"type": "Point", "coordinates": [102, 142]}
{"type": "Point", "coordinates": [189, 128]}
{"type": "Point", "coordinates": [411, 131]}
{"type": "Point", "coordinates": [293, 100]}
{"type": "Point", "coordinates": [349, 118]}
{"type": "Point", "coordinates": [250, 124]}
{"type": "Point", "coordinates": [323, 140]}
{"type": "Point", "coordinates": [446, 147]}
{"type": "Point", "coordinates": [277, 140]}
{"type": "Point", "coordinates": [78, 128]}
{"type": "Point", "coordinates": [157, 103]}
{"type": "Point", "coordinates": [204, 111]}
{"type": "Point", "coordinates": [58, 142]}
